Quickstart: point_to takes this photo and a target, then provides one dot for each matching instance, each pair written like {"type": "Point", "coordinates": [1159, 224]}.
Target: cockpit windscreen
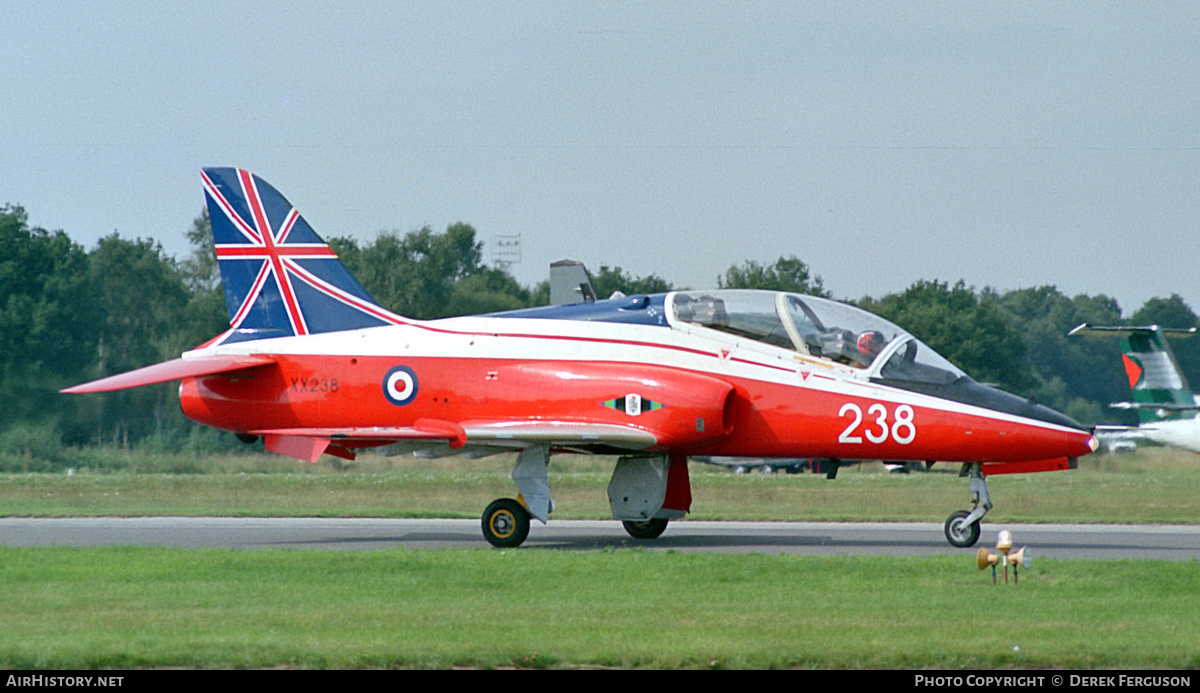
{"type": "Point", "coordinates": [816, 327]}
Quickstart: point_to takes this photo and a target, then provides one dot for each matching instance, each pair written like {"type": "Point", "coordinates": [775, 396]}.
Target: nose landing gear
{"type": "Point", "coordinates": [959, 532]}
{"type": "Point", "coordinates": [962, 527]}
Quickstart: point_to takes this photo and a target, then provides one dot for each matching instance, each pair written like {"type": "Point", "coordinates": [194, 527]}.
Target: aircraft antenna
{"type": "Point", "coordinates": [505, 251]}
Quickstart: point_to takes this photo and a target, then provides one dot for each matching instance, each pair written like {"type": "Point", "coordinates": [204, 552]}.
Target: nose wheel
{"type": "Point", "coordinates": [959, 532]}
{"type": "Point", "coordinates": [962, 527]}
{"type": "Point", "coordinates": [505, 523]}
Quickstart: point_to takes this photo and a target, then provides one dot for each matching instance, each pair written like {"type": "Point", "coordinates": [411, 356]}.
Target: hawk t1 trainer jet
{"type": "Point", "coordinates": [313, 365]}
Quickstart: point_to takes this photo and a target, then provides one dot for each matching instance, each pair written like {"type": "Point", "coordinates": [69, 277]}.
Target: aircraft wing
{"type": "Point", "coordinates": [561, 433]}
{"type": "Point", "coordinates": [435, 436]}
{"type": "Point", "coordinates": [1126, 330]}
{"type": "Point", "coordinates": [1118, 431]}
{"type": "Point", "coordinates": [1165, 406]}
{"type": "Point", "coordinates": [175, 369]}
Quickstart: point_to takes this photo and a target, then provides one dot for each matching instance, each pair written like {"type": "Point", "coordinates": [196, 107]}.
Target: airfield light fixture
{"type": "Point", "coordinates": [1021, 557]}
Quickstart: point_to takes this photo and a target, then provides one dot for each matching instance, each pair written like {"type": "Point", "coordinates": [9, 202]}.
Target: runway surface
{"type": "Point", "coordinates": [1108, 542]}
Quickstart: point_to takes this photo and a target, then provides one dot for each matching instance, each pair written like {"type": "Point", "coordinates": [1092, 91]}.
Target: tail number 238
{"type": "Point", "coordinates": [877, 428]}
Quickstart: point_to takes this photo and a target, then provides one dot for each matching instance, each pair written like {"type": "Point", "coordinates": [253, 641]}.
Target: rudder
{"type": "Point", "coordinates": [280, 278]}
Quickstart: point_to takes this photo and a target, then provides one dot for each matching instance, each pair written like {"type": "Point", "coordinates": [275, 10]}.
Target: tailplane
{"type": "Point", "coordinates": [1160, 390]}
{"type": "Point", "coordinates": [281, 279]}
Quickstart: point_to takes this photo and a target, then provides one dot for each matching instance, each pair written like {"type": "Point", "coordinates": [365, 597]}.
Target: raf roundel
{"type": "Point", "coordinates": [400, 385]}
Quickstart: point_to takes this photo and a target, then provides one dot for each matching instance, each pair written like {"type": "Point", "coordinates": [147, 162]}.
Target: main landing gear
{"type": "Point", "coordinates": [650, 529]}
{"type": "Point", "coordinates": [505, 523]}
{"type": "Point", "coordinates": [962, 527]}
{"type": "Point", "coordinates": [645, 493]}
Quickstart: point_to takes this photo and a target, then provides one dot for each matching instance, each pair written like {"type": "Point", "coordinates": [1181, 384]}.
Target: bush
{"type": "Point", "coordinates": [29, 447]}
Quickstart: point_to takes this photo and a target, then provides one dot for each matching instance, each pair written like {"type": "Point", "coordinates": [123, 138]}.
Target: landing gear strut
{"type": "Point", "coordinates": [962, 527]}
{"type": "Point", "coordinates": [645, 493]}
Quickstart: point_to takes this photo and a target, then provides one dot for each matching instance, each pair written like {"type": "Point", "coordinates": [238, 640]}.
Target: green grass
{"type": "Point", "coordinates": [156, 607]}
{"type": "Point", "coordinates": [1152, 486]}
{"type": "Point", "coordinates": [153, 607]}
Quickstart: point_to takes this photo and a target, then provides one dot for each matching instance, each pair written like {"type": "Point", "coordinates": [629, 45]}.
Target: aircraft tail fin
{"type": "Point", "coordinates": [1160, 390]}
{"type": "Point", "coordinates": [280, 278]}
{"type": "Point", "coordinates": [570, 283]}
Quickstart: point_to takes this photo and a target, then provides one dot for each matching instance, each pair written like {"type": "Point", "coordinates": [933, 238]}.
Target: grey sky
{"type": "Point", "coordinates": [1005, 144]}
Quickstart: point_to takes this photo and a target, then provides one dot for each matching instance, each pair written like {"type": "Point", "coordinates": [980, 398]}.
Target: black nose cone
{"type": "Point", "coordinates": [967, 391]}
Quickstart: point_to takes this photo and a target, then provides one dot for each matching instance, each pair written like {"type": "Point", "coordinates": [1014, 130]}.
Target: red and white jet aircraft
{"type": "Point", "coordinates": [314, 366]}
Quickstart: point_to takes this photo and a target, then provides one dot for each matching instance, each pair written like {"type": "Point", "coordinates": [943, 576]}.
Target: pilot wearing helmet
{"type": "Point", "coordinates": [869, 344]}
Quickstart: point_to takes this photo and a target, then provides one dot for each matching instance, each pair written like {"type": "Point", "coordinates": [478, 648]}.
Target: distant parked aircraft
{"type": "Point", "coordinates": [1165, 404]}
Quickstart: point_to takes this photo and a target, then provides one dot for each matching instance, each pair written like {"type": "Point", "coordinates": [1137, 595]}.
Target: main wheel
{"type": "Point", "coordinates": [650, 529]}
{"type": "Point", "coordinates": [958, 532]}
{"type": "Point", "coordinates": [505, 523]}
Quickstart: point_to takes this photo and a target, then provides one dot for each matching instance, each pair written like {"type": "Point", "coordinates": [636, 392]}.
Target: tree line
{"type": "Point", "coordinates": [68, 315]}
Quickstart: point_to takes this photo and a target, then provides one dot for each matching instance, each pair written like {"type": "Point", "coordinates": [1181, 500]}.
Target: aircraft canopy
{"type": "Point", "coordinates": [816, 327]}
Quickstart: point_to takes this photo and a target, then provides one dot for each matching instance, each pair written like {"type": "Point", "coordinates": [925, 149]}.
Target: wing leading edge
{"type": "Point", "coordinates": [436, 437]}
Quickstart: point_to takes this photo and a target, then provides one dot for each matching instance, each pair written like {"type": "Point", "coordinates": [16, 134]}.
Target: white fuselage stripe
{"type": "Point", "coordinates": [715, 353]}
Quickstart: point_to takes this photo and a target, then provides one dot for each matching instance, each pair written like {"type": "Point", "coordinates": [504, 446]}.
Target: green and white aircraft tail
{"type": "Point", "coordinates": [1164, 402]}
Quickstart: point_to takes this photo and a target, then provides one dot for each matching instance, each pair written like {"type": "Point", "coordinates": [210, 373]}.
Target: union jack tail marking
{"type": "Point", "coordinates": [281, 279]}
